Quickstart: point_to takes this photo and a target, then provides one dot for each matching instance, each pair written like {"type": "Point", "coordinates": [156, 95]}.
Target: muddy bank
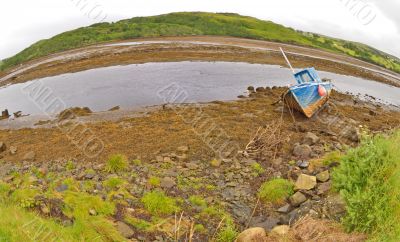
{"type": "Point", "coordinates": [196, 48]}
{"type": "Point", "coordinates": [158, 131]}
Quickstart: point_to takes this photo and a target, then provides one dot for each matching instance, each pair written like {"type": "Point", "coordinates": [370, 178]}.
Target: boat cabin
{"type": "Point", "coordinates": [308, 75]}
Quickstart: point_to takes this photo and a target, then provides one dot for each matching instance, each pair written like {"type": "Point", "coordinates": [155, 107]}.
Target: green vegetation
{"type": "Point", "coordinates": [116, 163]}
{"type": "Point", "coordinates": [257, 169]}
{"type": "Point", "coordinates": [227, 234]}
{"type": "Point", "coordinates": [154, 181]}
{"type": "Point", "coordinates": [198, 23]}
{"type": "Point", "coordinates": [113, 183]}
{"type": "Point", "coordinates": [158, 204]}
{"type": "Point", "coordinates": [331, 157]}
{"type": "Point", "coordinates": [198, 201]}
{"type": "Point", "coordinates": [275, 191]}
{"type": "Point", "coordinates": [368, 179]}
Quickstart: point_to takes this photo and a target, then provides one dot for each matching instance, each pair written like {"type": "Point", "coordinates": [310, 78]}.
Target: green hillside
{"type": "Point", "coordinates": [198, 23]}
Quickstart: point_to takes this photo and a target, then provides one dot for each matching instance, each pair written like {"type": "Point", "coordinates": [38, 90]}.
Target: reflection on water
{"type": "Point", "coordinates": [137, 85]}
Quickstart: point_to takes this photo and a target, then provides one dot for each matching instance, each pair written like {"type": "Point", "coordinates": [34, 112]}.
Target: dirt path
{"type": "Point", "coordinates": [194, 48]}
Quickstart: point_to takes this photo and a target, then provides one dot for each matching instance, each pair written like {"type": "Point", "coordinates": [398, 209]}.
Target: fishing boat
{"type": "Point", "coordinates": [309, 94]}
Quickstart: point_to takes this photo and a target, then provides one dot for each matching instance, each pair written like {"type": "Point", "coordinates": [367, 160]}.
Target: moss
{"type": "Point", "coordinates": [257, 169]}
{"type": "Point", "coordinates": [275, 191]}
{"type": "Point", "coordinates": [154, 181]}
{"type": "Point", "coordinates": [227, 234]}
{"type": "Point", "coordinates": [137, 162]}
{"type": "Point", "coordinates": [116, 163]}
{"type": "Point", "coordinates": [70, 165]}
{"type": "Point", "coordinates": [329, 158]}
{"type": "Point", "coordinates": [157, 203]}
{"type": "Point", "coordinates": [139, 224]}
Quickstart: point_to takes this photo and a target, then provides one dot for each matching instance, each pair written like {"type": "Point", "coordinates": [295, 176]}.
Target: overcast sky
{"type": "Point", "coordinates": [374, 22]}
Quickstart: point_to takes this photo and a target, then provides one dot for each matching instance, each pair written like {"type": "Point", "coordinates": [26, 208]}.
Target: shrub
{"type": "Point", "coordinates": [116, 163]}
{"type": "Point", "coordinates": [368, 179]}
{"type": "Point", "coordinates": [275, 191]}
{"type": "Point", "coordinates": [157, 203]}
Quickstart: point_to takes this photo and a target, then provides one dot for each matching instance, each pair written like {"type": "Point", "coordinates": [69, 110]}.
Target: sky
{"type": "Point", "coordinates": [373, 22]}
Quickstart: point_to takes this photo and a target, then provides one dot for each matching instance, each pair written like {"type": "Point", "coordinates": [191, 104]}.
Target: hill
{"type": "Point", "coordinates": [198, 23]}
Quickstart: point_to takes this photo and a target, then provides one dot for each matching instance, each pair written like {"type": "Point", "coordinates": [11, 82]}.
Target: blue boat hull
{"type": "Point", "coordinates": [306, 98]}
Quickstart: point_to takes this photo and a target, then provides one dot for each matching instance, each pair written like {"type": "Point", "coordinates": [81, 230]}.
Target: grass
{"type": "Point", "coordinates": [113, 183]}
{"type": "Point", "coordinates": [154, 181]}
{"type": "Point", "coordinates": [197, 23]}
{"type": "Point", "coordinates": [198, 201]}
{"type": "Point", "coordinates": [275, 191]}
{"type": "Point", "coordinates": [159, 204]}
{"type": "Point", "coordinates": [257, 169]}
{"type": "Point", "coordinates": [368, 179]}
{"type": "Point", "coordinates": [116, 163]}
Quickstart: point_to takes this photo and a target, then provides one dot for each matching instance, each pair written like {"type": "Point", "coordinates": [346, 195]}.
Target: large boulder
{"type": "Point", "coordinates": [125, 230]}
{"type": "Point", "coordinates": [255, 234]}
{"type": "Point", "coordinates": [305, 182]}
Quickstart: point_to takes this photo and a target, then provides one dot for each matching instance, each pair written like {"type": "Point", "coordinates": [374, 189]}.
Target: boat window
{"type": "Point", "coordinates": [306, 77]}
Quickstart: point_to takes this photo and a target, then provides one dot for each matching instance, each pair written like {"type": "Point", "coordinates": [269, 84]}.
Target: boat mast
{"type": "Point", "coordinates": [287, 60]}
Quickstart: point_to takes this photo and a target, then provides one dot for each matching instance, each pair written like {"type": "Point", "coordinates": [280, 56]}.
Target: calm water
{"type": "Point", "coordinates": [137, 85]}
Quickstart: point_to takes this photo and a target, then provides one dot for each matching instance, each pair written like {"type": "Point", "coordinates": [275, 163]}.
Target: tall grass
{"type": "Point", "coordinates": [368, 179]}
{"type": "Point", "coordinates": [198, 23]}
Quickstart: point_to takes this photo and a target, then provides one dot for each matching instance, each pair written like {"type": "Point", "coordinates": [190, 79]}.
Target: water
{"type": "Point", "coordinates": [137, 85]}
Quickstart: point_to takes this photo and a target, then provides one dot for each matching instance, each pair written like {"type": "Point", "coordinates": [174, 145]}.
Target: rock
{"type": "Point", "coordinates": [159, 158]}
{"type": "Point", "coordinates": [305, 182]}
{"type": "Point", "coordinates": [3, 147]}
{"type": "Point", "coordinates": [215, 163]}
{"type": "Point", "coordinates": [297, 199]}
{"type": "Point", "coordinates": [303, 151]}
{"type": "Point", "coordinates": [250, 89]}
{"type": "Point", "coordinates": [310, 139]}
{"type": "Point", "coordinates": [255, 234]}
{"type": "Point", "coordinates": [62, 188]}
{"type": "Point", "coordinates": [167, 182]}
{"type": "Point", "coordinates": [167, 159]}
{"type": "Point", "coordinates": [284, 209]}
{"type": "Point", "coordinates": [92, 212]}
{"type": "Point", "coordinates": [191, 166]}
{"type": "Point", "coordinates": [323, 176]}
{"type": "Point", "coordinates": [351, 133]}
{"type": "Point", "coordinates": [125, 230]}
{"type": "Point", "coordinates": [303, 164]}
{"type": "Point", "coordinates": [114, 108]}
{"type": "Point", "coordinates": [44, 209]}
{"type": "Point", "coordinates": [30, 156]}
{"type": "Point", "coordinates": [183, 149]}
{"type": "Point", "coordinates": [268, 224]}
{"type": "Point", "coordinates": [324, 188]}
{"type": "Point", "coordinates": [281, 229]}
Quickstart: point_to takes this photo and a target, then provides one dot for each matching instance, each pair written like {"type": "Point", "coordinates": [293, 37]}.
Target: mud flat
{"type": "Point", "coordinates": [204, 48]}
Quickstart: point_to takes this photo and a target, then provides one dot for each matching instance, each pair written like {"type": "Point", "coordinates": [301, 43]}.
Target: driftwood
{"type": "Point", "coordinates": [266, 142]}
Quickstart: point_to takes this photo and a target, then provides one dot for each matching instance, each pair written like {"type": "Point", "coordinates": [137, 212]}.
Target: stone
{"type": "Point", "coordinates": [303, 164]}
{"type": "Point", "coordinates": [167, 182]}
{"type": "Point", "coordinates": [323, 176]}
{"type": "Point", "coordinates": [125, 230]}
{"type": "Point", "coordinates": [284, 209]}
{"type": "Point", "coordinates": [310, 139]}
{"type": "Point", "coordinates": [281, 229]}
{"type": "Point", "coordinates": [351, 133]}
{"type": "Point", "coordinates": [255, 234]}
{"type": "Point", "coordinates": [305, 182]}
{"type": "Point", "coordinates": [62, 188]}
{"type": "Point", "coordinates": [303, 151]}
{"type": "Point", "coordinates": [183, 149]}
{"type": "Point", "coordinates": [167, 159]}
{"type": "Point", "coordinates": [44, 209]}
{"type": "Point", "coordinates": [159, 158]}
{"type": "Point", "coordinates": [30, 156]}
{"type": "Point", "coordinates": [92, 212]}
{"type": "Point", "coordinates": [3, 147]}
{"type": "Point", "coordinates": [191, 166]}
{"type": "Point", "coordinates": [297, 199]}
{"type": "Point", "coordinates": [268, 224]}
{"type": "Point", "coordinates": [324, 187]}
